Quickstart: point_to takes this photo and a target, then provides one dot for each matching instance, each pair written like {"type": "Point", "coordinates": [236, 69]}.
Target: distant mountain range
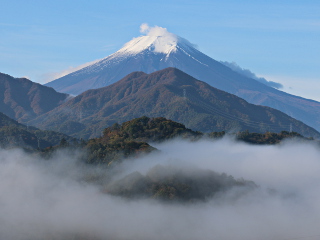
{"type": "Point", "coordinates": [23, 100]}
{"type": "Point", "coordinates": [169, 93]}
{"type": "Point", "coordinates": [155, 52]}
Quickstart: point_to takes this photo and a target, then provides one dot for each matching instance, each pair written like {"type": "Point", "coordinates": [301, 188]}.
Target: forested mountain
{"type": "Point", "coordinates": [169, 93]}
{"type": "Point", "coordinates": [14, 134]}
{"type": "Point", "coordinates": [148, 130]}
{"type": "Point", "coordinates": [23, 100]}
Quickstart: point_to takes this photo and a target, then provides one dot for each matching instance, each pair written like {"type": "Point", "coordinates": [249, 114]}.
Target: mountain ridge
{"type": "Point", "coordinates": [168, 93]}
{"type": "Point", "coordinates": [23, 100]}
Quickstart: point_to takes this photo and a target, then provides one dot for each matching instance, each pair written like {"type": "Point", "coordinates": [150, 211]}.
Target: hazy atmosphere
{"type": "Point", "coordinates": [50, 198]}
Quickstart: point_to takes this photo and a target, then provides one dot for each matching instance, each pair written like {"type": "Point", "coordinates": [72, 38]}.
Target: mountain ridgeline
{"type": "Point", "coordinates": [153, 53]}
{"type": "Point", "coordinates": [169, 93]}
{"type": "Point", "coordinates": [135, 137]}
{"type": "Point", "coordinates": [23, 100]}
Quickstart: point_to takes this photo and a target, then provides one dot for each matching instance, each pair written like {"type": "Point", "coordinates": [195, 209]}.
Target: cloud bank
{"type": "Point", "coordinates": [246, 72]}
{"type": "Point", "coordinates": [62, 198]}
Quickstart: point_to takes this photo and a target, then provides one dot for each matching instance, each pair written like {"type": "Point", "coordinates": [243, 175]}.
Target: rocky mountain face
{"type": "Point", "coordinates": [168, 93]}
{"type": "Point", "coordinates": [23, 100]}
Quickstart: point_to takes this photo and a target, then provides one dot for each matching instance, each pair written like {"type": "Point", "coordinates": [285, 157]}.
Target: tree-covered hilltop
{"type": "Point", "coordinates": [101, 152]}
{"type": "Point", "coordinates": [161, 129]}
{"type": "Point", "coordinates": [172, 183]}
{"type": "Point", "coordinates": [135, 137]}
{"type": "Point", "coordinates": [130, 138]}
{"type": "Point", "coordinates": [148, 129]}
{"type": "Point", "coordinates": [268, 137]}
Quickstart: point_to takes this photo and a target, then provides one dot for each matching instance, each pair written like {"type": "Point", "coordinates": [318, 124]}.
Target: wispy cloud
{"type": "Point", "coordinates": [52, 76]}
{"type": "Point", "coordinates": [301, 86]}
{"type": "Point", "coordinates": [246, 72]}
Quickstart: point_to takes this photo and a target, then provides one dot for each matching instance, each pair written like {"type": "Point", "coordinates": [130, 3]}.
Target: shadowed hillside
{"type": "Point", "coordinates": [23, 100]}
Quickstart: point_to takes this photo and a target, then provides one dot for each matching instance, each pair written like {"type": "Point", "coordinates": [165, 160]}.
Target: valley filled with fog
{"type": "Point", "coordinates": [65, 198]}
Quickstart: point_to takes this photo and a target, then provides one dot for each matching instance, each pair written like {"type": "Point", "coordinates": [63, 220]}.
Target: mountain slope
{"type": "Point", "coordinates": [14, 134]}
{"type": "Point", "coordinates": [169, 93]}
{"type": "Point", "coordinates": [162, 49]}
{"type": "Point", "coordinates": [22, 99]}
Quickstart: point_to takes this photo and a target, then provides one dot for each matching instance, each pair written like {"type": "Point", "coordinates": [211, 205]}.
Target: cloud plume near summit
{"type": "Point", "coordinates": [56, 199]}
{"type": "Point", "coordinates": [156, 38]}
{"type": "Point", "coordinates": [156, 31]}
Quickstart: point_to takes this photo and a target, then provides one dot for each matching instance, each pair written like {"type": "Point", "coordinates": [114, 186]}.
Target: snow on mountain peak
{"type": "Point", "coordinates": [156, 39]}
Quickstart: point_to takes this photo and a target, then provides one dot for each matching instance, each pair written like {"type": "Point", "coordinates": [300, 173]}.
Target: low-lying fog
{"type": "Point", "coordinates": [64, 199]}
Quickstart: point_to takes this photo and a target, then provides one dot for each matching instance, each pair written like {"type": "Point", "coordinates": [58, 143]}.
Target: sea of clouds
{"type": "Point", "coordinates": [62, 198]}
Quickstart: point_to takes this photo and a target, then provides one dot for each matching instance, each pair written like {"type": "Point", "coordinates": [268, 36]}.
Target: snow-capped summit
{"type": "Point", "coordinates": [157, 40]}
{"type": "Point", "coordinates": [156, 44]}
{"type": "Point", "coordinates": [158, 49]}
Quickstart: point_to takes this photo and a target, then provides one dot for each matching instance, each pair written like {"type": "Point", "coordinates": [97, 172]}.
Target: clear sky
{"type": "Point", "coordinates": [278, 40]}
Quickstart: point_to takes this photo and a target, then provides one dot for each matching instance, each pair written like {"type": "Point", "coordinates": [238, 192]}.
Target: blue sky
{"type": "Point", "coordinates": [278, 40]}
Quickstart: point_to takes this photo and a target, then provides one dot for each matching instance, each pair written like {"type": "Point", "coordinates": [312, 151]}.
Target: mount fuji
{"type": "Point", "coordinates": [159, 49]}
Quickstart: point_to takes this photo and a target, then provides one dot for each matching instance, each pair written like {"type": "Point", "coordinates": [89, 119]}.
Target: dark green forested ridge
{"type": "Point", "coordinates": [128, 137]}
{"type": "Point", "coordinates": [160, 129]}
{"type": "Point", "coordinates": [14, 134]}
{"type": "Point", "coordinates": [148, 129]}
{"type": "Point", "coordinates": [131, 138]}
{"type": "Point", "coordinates": [268, 137]}
{"type": "Point", "coordinates": [134, 137]}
